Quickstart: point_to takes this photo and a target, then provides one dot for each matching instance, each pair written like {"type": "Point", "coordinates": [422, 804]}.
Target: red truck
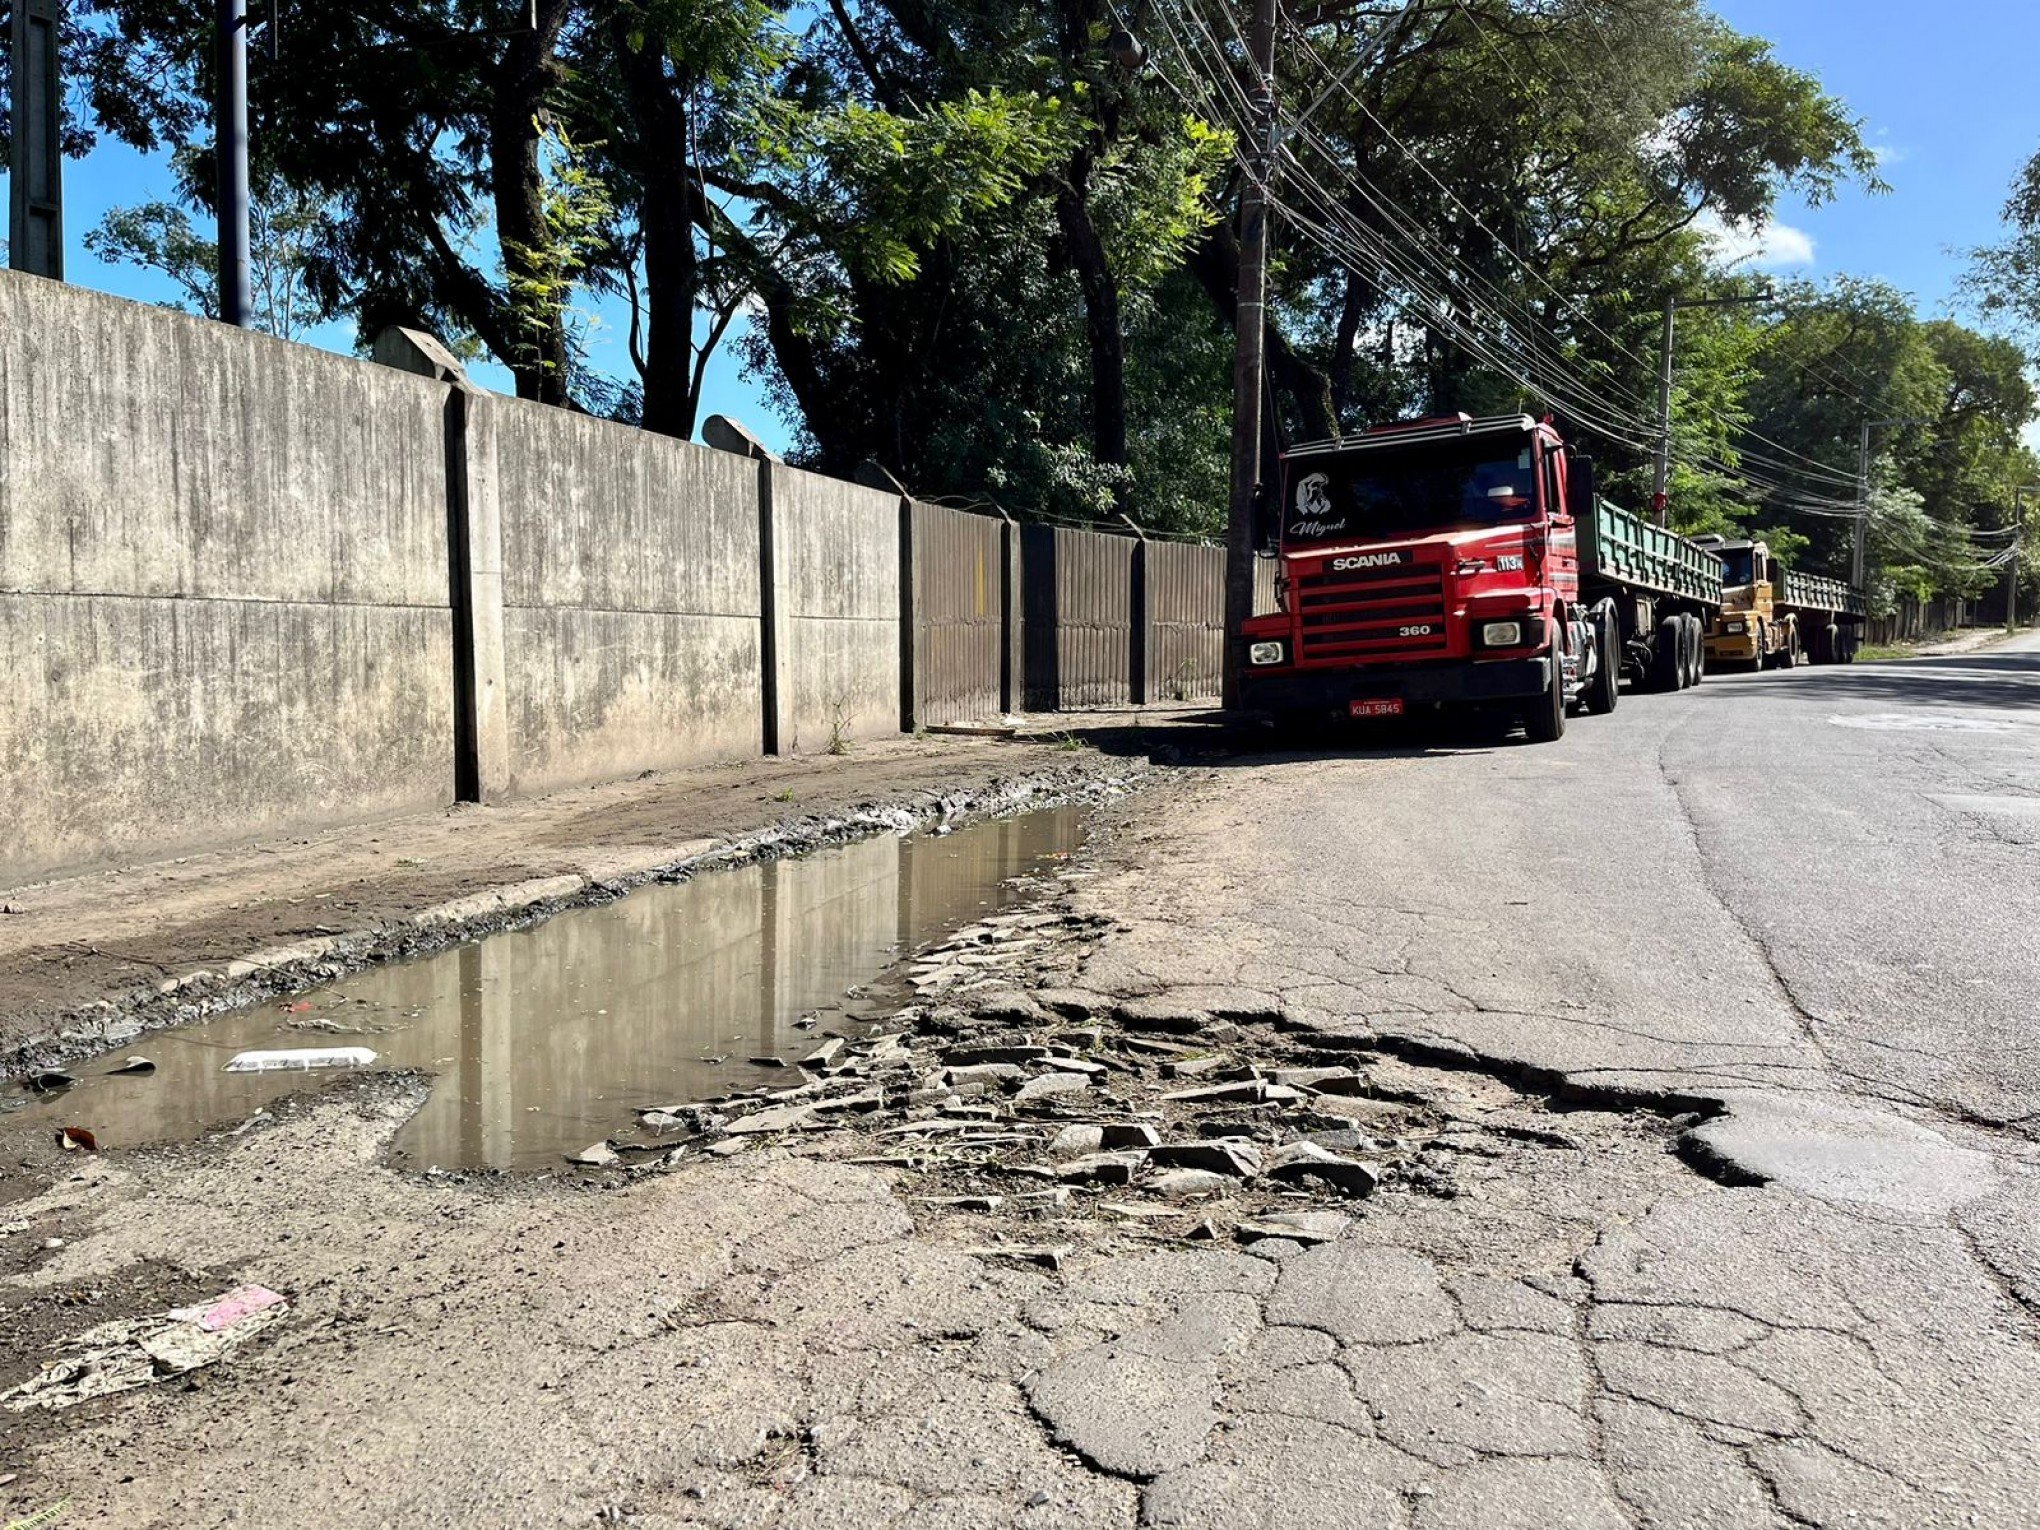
{"type": "Point", "coordinates": [1459, 561]}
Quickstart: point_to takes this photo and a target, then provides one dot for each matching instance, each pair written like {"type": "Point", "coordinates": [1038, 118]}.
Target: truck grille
{"type": "Point", "coordinates": [1362, 614]}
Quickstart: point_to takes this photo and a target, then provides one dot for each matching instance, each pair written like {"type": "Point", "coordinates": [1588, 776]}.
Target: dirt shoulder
{"type": "Point", "coordinates": [89, 961]}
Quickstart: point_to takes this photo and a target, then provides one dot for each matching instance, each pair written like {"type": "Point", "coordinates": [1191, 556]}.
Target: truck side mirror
{"type": "Point", "coordinates": [1580, 487]}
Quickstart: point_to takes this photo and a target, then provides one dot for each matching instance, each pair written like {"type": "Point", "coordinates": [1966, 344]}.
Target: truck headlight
{"type": "Point", "coordinates": [1735, 628]}
{"type": "Point", "coordinates": [1265, 653]}
{"type": "Point", "coordinates": [1501, 635]}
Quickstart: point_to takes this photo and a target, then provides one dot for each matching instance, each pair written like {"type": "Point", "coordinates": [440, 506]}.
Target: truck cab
{"type": "Point", "coordinates": [1750, 629]}
{"type": "Point", "coordinates": [1429, 564]}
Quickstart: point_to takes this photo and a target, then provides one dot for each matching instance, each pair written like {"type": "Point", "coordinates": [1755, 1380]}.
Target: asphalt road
{"type": "Point", "coordinates": [1801, 907]}
{"type": "Point", "coordinates": [1693, 1049]}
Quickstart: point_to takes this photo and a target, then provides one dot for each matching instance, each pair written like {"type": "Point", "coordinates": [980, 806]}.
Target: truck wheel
{"type": "Point", "coordinates": [1605, 689]}
{"type": "Point", "coordinates": [1827, 645]}
{"type": "Point", "coordinates": [1696, 649]}
{"type": "Point", "coordinates": [1668, 658]}
{"type": "Point", "coordinates": [1544, 718]}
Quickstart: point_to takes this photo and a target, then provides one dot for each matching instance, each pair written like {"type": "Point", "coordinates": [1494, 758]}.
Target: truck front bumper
{"type": "Point", "coordinates": [1334, 689]}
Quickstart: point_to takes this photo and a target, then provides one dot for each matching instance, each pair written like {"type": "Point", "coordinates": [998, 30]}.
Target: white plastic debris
{"type": "Point", "coordinates": [137, 1352]}
{"type": "Point", "coordinates": [300, 1057]}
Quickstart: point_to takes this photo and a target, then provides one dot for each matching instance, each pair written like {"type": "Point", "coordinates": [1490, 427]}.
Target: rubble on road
{"type": "Point", "coordinates": [1190, 1114]}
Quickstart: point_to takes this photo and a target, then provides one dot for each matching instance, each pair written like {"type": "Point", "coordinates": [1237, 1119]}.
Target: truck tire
{"type": "Point", "coordinates": [1605, 689]}
{"type": "Point", "coordinates": [1696, 649]}
{"type": "Point", "coordinates": [1544, 717]}
{"type": "Point", "coordinates": [1668, 658]}
{"type": "Point", "coordinates": [1827, 644]}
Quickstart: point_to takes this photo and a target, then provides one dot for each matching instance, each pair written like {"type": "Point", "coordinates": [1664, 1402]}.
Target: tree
{"type": "Point", "coordinates": [283, 228]}
{"type": "Point", "coordinates": [2004, 279]}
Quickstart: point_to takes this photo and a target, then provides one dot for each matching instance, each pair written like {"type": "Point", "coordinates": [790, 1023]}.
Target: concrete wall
{"type": "Point", "coordinates": [630, 598]}
{"type": "Point", "coordinates": [836, 549]}
{"type": "Point", "coordinates": [250, 588]}
{"type": "Point", "coordinates": [223, 584]}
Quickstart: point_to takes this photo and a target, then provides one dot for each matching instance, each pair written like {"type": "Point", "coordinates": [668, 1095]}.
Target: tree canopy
{"type": "Point", "coordinates": [965, 239]}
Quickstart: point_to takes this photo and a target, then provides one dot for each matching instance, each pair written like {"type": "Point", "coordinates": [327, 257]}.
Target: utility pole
{"type": "Point", "coordinates": [230, 147]}
{"type": "Point", "coordinates": [1659, 503]}
{"type": "Point", "coordinates": [1860, 553]}
{"type": "Point", "coordinates": [1249, 353]}
{"type": "Point", "coordinates": [2012, 556]}
{"type": "Point", "coordinates": [35, 202]}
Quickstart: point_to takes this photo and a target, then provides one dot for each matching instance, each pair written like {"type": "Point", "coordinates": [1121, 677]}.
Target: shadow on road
{"type": "Point", "coordinates": [2008, 682]}
{"type": "Point", "coordinates": [1212, 739]}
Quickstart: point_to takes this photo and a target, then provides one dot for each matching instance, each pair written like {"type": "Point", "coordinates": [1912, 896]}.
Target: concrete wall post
{"type": "Point", "coordinates": [1012, 634]}
{"type": "Point", "coordinates": [909, 620]}
{"type": "Point", "coordinates": [773, 689]}
{"type": "Point", "coordinates": [1138, 634]}
{"type": "Point", "coordinates": [474, 548]}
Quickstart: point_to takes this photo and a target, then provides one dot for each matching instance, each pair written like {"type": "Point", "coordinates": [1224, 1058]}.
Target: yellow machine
{"type": "Point", "coordinates": [1749, 629]}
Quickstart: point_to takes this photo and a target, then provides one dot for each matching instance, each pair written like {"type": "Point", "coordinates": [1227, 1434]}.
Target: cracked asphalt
{"type": "Point", "coordinates": [1719, 1010]}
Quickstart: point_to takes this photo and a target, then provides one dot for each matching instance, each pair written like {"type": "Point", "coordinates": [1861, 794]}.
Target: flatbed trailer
{"type": "Point", "coordinates": [1666, 590]}
{"type": "Point", "coordinates": [1772, 617]}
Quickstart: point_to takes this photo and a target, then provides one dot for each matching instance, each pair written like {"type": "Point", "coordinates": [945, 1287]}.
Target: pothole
{"type": "Point", "coordinates": [541, 1040]}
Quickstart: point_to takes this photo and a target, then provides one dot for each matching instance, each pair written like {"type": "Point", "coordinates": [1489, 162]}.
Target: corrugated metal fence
{"type": "Point", "coordinates": [1005, 616]}
{"type": "Point", "coordinates": [961, 657]}
{"type": "Point", "coordinates": [1185, 620]}
{"type": "Point", "coordinates": [1077, 628]}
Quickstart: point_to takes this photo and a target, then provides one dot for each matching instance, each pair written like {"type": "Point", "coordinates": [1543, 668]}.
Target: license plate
{"type": "Point", "coordinates": [1386, 706]}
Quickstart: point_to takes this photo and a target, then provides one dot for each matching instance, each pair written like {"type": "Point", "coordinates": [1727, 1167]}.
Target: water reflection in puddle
{"type": "Point", "coordinates": [544, 1040]}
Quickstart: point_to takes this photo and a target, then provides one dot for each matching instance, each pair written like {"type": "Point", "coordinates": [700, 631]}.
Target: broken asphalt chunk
{"type": "Point", "coordinates": [824, 1054]}
{"type": "Point", "coordinates": [1129, 1134]}
{"type": "Point", "coordinates": [1303, 1226]}
{"type": "Point", "coordinates": [1254, 1089]}
{"type": "Point", "coordinates": [1189, 1184]}
{"type": "Point", "coordinates": [1078, 1141]}
{"type": "Point", "coordinates": [1306, 1160]}
{"type": "Point", "coordinates": [1104, 1168]}
{"type": "Point", "coordinates": [1076, 1003]}
{"type": "Point", "coordinates": [986, 1073]}
{"type": "Point", "coordinates": [777, 1118]}
{"type": "Point", "coordinates": [1047, 1256]}
{"type": "Point", "coordinates": [1221, 1155]}
{"type": "Point", "coordinates": [596, 1155]}
{"type": "Point", "coordinates": [1051, 1086]}
{"type": "Point", "coordinates": [967, 1056]}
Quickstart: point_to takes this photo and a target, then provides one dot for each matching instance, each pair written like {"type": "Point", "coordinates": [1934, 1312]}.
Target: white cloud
{"type": "Point", "coordinates": [1762, 246]}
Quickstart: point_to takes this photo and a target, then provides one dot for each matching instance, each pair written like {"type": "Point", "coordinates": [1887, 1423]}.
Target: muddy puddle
{"type": "Point", "coordinates": [544, 1040]}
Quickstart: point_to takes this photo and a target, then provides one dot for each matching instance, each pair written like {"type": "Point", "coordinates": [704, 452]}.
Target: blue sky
{"type": "Point", "coordinates": [1948, 98]}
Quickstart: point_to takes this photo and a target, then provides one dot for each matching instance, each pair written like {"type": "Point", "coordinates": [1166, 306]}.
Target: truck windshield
{"type": "Point", "coordinates": [1736, 563]}
{"type": "Point", "coordinates": [1392, 493]}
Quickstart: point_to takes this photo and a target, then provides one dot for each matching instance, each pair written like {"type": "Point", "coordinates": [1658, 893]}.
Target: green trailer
{"type": "Point", "coordinates": [1812, 592]}
{"type": "Point", "coordinates": [1665, 588]}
